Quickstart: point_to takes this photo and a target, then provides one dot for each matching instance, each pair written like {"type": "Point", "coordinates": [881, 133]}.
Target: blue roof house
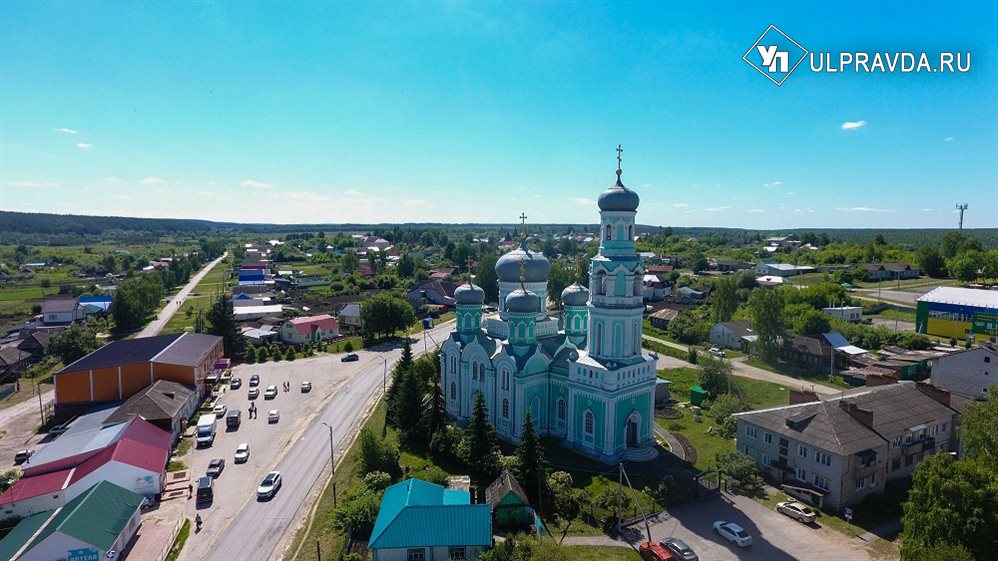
{"type": "Point", "coordinates": [420, 521]}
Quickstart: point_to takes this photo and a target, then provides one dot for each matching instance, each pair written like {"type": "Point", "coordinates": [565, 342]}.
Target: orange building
{"type": "Point", "coordinates": [120, 369]}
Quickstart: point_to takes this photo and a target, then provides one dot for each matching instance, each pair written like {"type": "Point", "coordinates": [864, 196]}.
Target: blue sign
{"type": "Point", "coordinates": [848, 513]}
{"type": "Point", "coordinates": [88, 554]}
{"type": "Point", "coordinates": [427, 323]}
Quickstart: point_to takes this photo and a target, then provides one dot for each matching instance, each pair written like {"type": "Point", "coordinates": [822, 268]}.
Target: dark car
{"type": "Point", "coordinates": [351, 357]}
{"type": "Point", "coordinates": [22, 456]}
{"type": "Point", "coordinates": [679, 549]}
{"type": "Point", "coordinates": [254, 380]}
{"type": "Point", "coordinates": [235, 383]}
{"type": "Point", "coordinates": [215, 467]}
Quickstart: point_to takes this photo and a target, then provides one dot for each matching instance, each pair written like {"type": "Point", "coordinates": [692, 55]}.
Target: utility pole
{"type": "Point", "coordinates": [41, 409]}
{"type": "Point", "coordinates": [332, 459]}
{"type": "Point", "coordinates": [384, 377]}
{"type": "Point", "coordinates": [961, 208]}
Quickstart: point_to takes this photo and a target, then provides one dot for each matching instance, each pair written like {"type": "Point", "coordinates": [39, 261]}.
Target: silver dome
{"type": "Point", "coordinates": [469, 294]}
{"type": "Point", "coordinates": [522, 301]}
{"type": "Point", "coordinates": [619, 197]}
{"type": "Point", "coordinates": [536, 267]}
{"type": "Point", "coordinates": [575, 295]}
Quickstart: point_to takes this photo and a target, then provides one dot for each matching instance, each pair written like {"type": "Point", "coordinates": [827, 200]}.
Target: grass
{"type": "Point", "coordinates": [200, 297]}
{"type": "Point", "coordinates": [175, 466]}
{"type": "Point", "coordinates": [600, 553]}
{"type": "Point", "coordinates": [794, 371]}
{"type": "Point", "coordinates": [178, 544]}
{"type": "Point", "coordinates": [900, 315]}
{"type": "Point", "coordinates": [357, 342]}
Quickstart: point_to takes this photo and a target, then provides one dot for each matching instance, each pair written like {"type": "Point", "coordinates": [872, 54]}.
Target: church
{"type": "Point", "coordinates": [583, 376]}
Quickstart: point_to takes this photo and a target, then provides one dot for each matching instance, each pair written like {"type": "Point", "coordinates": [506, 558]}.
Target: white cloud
{"type": "Point", "coordinates": [791, 193]}
{"type": "Point", "coordinates": [851, 125]}
{"type": "Point", "coordinates": [83, 145]}
{"type": "Point", "coordinates": [120, 197]}
{"type": "Point", "coordinates": [584, 201]}
{"type": "Point", "coordinates": [865, 209]}
{"type": "Point", "coordinates": [66, 131]}
{"type": "Point", "coordinates": [680, 205]}
{"type": "Point", "coordinates": [777, 183]}
{"type": "Point", "coordinates": [152, 180]}
{"type": "Point", "coordinates": [112, 179]}
{"type": "Point", "coordinates": [307, 196]}
{"type": "Point", "coordinates": [716, 208]}
{"type": "Point", "coordinates": [255, 183]}
{"type": "Point", "coordinates": [757, 211]}
{"type": "Point", "coordinates": [31, 184]}
{"type": "Point", "coordinates": [949, 139]}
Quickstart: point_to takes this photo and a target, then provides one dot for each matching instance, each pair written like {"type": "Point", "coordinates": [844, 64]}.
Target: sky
{"type": "Point", "coordinates": [477, 111]}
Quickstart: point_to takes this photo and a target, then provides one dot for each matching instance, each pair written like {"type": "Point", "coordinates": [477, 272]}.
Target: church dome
{"type": "Point", "coordinates": [575, 295]}
{"type": "Point", "coordinates": [522, 301]}
{"type": "Point", "coordinates": [469, 294]}
{"type": "Point", "coordinates": [535, 266]}
{"type": "Point", "coordinates": [619, 197]}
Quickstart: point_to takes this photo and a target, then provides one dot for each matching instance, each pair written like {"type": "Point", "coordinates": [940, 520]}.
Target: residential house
{"type": "Point", "coordinates": [889, 271]}
{"type": "Point", "coordinates": [968, 373]}
{"type": "Point", "coordinates": [165, 404]}
{"type": "Point", "coordinates": [808, 350]}
{"type": "Point", "coordinates": [766, 267]}
{"type": "Point", "coordinates": [436, 292]}
{"type": "Point", "coordinates": [349, 316]}
{"type": "Point", "coordinates": [769, 281]}
{"type": "Point", "coordinates": [250, 313]}
{"type": "Point", "coordinates": [95, 305]}
{"type": "Point", "coordinates": [654, 288]}
{"type": "Point", "coordinates": [98, 524]}
{"type": "Point", "coordinates": [837, 451]}
{"type": "Point", "coordinates": [262, 335]}
{"type": "Point", "coordinates": [312, 329]}
{"type": "Point", "coordinates": [374, 242]}
{"type": "Point", "coordinates": [509, 504]}
{"type": "Point", "coordinates": [658, 269]}
{"type": "Point", "coordinates": [728, 265]}
{"type": "Point", "coordinates": [35, 343]}
{"type": "Point", "coordinates": [420, 521]}
{"type": "Point", "coordinates": [661, 318]}
{"type": "Point", "coordinates": [848, 313]}
{"type": "Point", "coordinates": [12, 361]}
{"type": "Point", "coordinates": [61, 311]}
{"type": "Point", "coordinates": [737, 335]}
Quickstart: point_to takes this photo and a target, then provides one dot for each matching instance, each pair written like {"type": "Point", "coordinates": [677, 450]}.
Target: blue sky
{"type": "Point", "coordinates": [474, 111]}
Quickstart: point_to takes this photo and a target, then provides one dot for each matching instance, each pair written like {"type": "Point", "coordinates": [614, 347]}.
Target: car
{"type": "Point", "coordinates": [350, 357]}
{"type": "Point", "coordinates": [242, 453]}
{"type": "Point", "coordinates": [271, 392]}
{"type": "Point", "coordinates": [679, 549]}
{"type": "Point", "coordinates": [254, 380]}
{"type": "Point", "coordinates": [23, 456]}
{"type": "Point", "coordinates": [717, 352]}
{"type": "Point", "coordinates": [215, 467]}
{"type": "Point", "coordinates": [651, 551]}
{"type": "Point", "coordinates": [306, 386]}
{"type": "Point", "coordinates": [235, 383]}
{"type": "Point", "coordinates": [269, 486]}
{"type": "Point", "coordinates": [253, 393]}
{"type": "Point", "coordinates": [220, 410]}
{"type": "Point", "coordinates": [273, 416]}
{"type": "Point", "coordinates": [733, 533]}
{"type": "Point", "coordinates": [798, 511]}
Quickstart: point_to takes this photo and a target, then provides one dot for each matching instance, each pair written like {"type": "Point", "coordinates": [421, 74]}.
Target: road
{"type": "Point", "coordinates": [156, 325]}
{"type": "Point", "coordinates": [256, 531]}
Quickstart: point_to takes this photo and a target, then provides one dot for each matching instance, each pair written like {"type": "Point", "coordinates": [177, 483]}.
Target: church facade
{"type": "Point", "coordinates": [583, 378]}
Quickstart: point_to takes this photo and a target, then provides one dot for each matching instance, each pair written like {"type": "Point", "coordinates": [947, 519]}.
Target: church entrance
{"type": "Point", "coordinates": [632, 433]}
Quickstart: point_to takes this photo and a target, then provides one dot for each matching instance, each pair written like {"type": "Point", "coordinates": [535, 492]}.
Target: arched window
{"type": "Point", "coordinates": [453, 390]}
{"type": "Point", "coordinates": [505, 380]}
{"type": "Point", "coordinates": [607, 231]}
{"type": "Point", "coordinates": [599, 339]}
{"type": "Point", "coordinates": [561, 409]}
{"type": "Point", "coordinates": [505, 409]}
{"type": "Point", "coordinates": [589, 423]}
{"type": "Point", "coordinates": [630, 232]}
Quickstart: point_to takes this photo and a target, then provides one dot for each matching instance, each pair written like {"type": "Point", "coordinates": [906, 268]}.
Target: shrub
{"type": "Point", "coordinates": [348, 347]}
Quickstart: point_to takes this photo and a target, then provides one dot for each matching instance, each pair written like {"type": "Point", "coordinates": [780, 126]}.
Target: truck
{"type": "Point", "coordinates": [206, 430]}
{"type": "Point", "coordinates": [233, 418]}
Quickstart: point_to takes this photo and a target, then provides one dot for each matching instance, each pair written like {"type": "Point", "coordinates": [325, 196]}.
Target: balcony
{"type": "Point", "coordinates": [861, 471]}
{"type": "Point", "coordinates": [782, 464]}
{"type": "Point", "coordinates": [920, 445]}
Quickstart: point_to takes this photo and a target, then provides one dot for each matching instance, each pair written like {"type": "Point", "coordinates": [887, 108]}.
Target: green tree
{"type": "Point", "coordinates": [434, 414]}
{"type": "Point", "coordinates": [486, 277]}
{"type": "Point", "coordinates": [722, 409]}
{"type": "Point", "coordinates": [725, 299]}
{"type": "Point", "coordinates": [479, 449]}
{"type": "Point", "coordinates": [406, 266]}
{"type": "Point", "coordinates": [134, 299]}
{"type": "Point", "coordinates": [73, 343]}
{"type": "Point", "coordinates": [377, 454]}
{"type": "Point", "coordinates": [222, 322]}
{"type": "Point", "coordinates": [530, 456]}
{"type": "Point", "coordinates": [811, 321]}
{"type": "Point", "coordinates": [250, 356]}
{"type": "Point", "coordinates": [738, 465]}
{"type": "Point", "coordinates": [560, 277]}
{"type": "Point", "coordinates": [407, 408]}
{"type": "Point", "coordinates": [8, 479]}
{"type": "Point", "coordinates": [966, 266]}
{"type": "Point", "coordinates": [953, 502]}
{"type": "Point", "coordinates": [766, 309]}
{"type": "Point", "coordinates": [977, 429]}
{"type": "Point", "coordinates": [350, 262]}
{"type": "Point", "coordinates": [714, 376]}
{"type": "Point", "coordinates": [930, 262]}
{"type": "Point", "coordinates": [938, 551]}
{"type": "Point", "coordinates": [384, 314]}
{"type": "Point", "coordinates": [564, 499]}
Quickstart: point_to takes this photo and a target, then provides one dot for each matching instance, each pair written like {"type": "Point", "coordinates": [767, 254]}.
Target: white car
{"type": "Point", "coordinates": [733, 533]}
{"type": "Point", "coordinates": [242, 453]}
{"type": "Point", "coordinates": [797, 511]}
{"type": "Point", "coordinates": [717, 352]}
{"type": "Point", "coordinates": [306, 386]}
{"type": "Point", "coordinates": [273, 416]}
{"type": "Point", "coordinates": [271, 392]}
{"type": "Point", "coordinates": [269, 486]}
{"type": "Point", "coordinates": [220, 410]}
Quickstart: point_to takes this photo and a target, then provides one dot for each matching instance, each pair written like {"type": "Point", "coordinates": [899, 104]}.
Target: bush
{"type": "Point", "coordinates": [348, 347]}
{"type": "Point", "coordinates": [692, 356]}
{"type": "Point", "coordinates": [378, 455]}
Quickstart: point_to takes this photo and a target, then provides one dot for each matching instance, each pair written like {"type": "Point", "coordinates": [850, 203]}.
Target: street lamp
{"type": "Point", "coordinates": [384, 377]}
{"type": "Point", "coordinates": [332, 460]}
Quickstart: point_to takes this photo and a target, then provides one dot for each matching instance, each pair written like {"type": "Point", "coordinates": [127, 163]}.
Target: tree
{"type": "Point", "coordinates": [966, 266]}
{"type": "Point", "coordinates": [725, 298]}
{"type": "Point", "coordinates": [766, 309]}
{"type": "Point", "coordinates": [377, 454]}
{"type": "Point", "coordinates": [722, 408]}
{"type": "Point", "coordinates": [486, 277]}
{"type": "Point", "coordinates": [8, 479]}
{"type": "Point", "coordinates": [384, 314]}
{"type": "Point", "coordinates": [250, 356]}
{"type": "Point", "coordinates": [739, 466]}
{"type": "Point", "coordinates": [977, 429]}
{"type": "Point", "coordinates": [560, 277]}
{"type": "Point", "coordinates": [134, 299]}
{"type": "Point", "coordinates": [564, 498]}
{"type": "Point", "coordinates": [406, 266]}
{"type": "Point", "coordinates": [930, 262]}
{"type": "Point", "coordinates": [811, 321]}
{"type": "Point", "coordinates": [73, 343]}
{"type": "Point", "coordinates": [714, 376]}
{"type": "Point", "coordinates": [222, 322]}
{"type": "Point", "coordinates": [938, 551]}
{"type": "Point", "coordinates": [407, 408]}
{"type": "Point", "coordinates": [531, 461]}
{"type": "Point", "coordinates": [479, 449]}
{"type": "Point", "coordinates": [350, 262]}
{"type": "Point", "coordinates": [405, 361]}
{"type": "Point", "coordinates": [953, 502]}
{"type": "Point", "coordinates": [434, 415]}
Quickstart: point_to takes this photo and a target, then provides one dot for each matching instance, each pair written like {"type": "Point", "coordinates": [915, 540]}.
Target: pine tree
{"type": "Point", "coordinates": [530, 458]}
{"type": "Point", "coordinates": [250, 356]}
{"type": "Point", "coordinates": [406, 360]}
{"type": "Point", "coordinates": [222, 322]}
{"type": "Point", "coordinates": [408, 407]}
{"type": "Point", "coordinates": [479, 448]}
{"type": "Point", "coordinates": [289, 354]}
{"type": "Point", "coordinates": [434, 413]}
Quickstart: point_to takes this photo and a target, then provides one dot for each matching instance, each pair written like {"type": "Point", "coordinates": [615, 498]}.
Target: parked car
{"type": "Point", "coordinates": [733, 533]}
{"type": "Point", "coordinates": [273, 416]}
{"type": "Point", "coordinates": [215, 467]}
{"type": "Point", "coordinates": [235, 383]}
{"type": "Point", "coordinates": [23, 456]}
{"type": "Point", "coordinates": [269, 486]}
{"type": "Point", "coordinates": [205, 490]}
{"type": "Point", "coordinates": [271, 392]}
{"type": "Point", "coordinates": [253, 393]}
{"type": "Point", "coordinates": [651, 551]}
{"type": "Point", "coordinates": [798, 511]}
{"type": "Point", "coordinates": [350, 357]}
{"type": "Point", "coordinates": [254, 380]}
{"type": "Point", "coordinates": [242, 453]}
{"type": "Point", "coordinates": [220, 410]}
{"type": "Point", "coordinates": [306, 386]}
{"type": "Point", "coordinates": [679, 549]}
{"type": "Point", "coordinates": [717, 352]}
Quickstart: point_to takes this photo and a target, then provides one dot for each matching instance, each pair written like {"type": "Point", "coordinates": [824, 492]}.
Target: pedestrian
{"type": "Point", "coordinates": [190, 490]}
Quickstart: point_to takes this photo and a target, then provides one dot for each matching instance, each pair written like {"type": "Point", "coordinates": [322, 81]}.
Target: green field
{"type": "Point", "coordinates": [213, 283]}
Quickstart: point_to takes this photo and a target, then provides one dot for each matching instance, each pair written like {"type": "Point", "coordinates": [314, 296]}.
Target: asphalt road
{"type": "Point", "coordinates": [242, 528]}
{"type": "Point", "coordinates": [157, 324]}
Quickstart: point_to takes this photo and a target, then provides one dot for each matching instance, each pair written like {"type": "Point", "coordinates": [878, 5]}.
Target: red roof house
{"type": "Point", "coordinates": [310, 329]}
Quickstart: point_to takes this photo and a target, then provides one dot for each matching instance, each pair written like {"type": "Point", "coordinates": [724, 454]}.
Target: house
{"type": "Point", "coordinates": [658, 269]}
{"type": "Point", "coordinates": [509, 504]}
{"type": "Point", "coordinates": [422, 521]}
{"type": "Point", "coordinates": [35, 343]}
{"type": "Point", "coordinates": [687, 294]}
{"type": "Point", "coordinates": [654, 288]}
{"type": "Point", "coordinates": [98, 524]}
{"type": "Point", "coordinates": [122, 368]}
{"type": "Point", "coordinates": [661, 318]}
{"type": "Point", "coordinates": [165, 404]}
{"type": "Point", "coordinates": [889, 271]}
{"type": "Point", "coordinates": [374, 242]}
{"type": "Point", "coordinates": [770, 281]}
{"type": "Point", "coordinates": [441, 273]}
{"type": "Point", "coordinates": [728, 265]}
{"type": "Point", "coordinates": [766, 267]}
{"type": "Point", "coordinates": [312, 329]}
{"type": "Point", "coordinates": [349, 316]}
{"type": "Point", "coordinates": [262, 335]}
{"type": "Point", "coordinates": [737, 335]}
{"type": "Point", "coordinates": [436, 292]}
{"type": "Point", "coordinates": [12, 360]}
{"type": "Point", "coordinates": [61, 311]}
{"type": "Point", "coordinates": [837, 451]}
{"type": "Point", "coordinates": [961, 313]}
{"type": "Point", "coordinates": [95, 305]}
{"type": "Point", "coordinates": [249, 313]}
{"type": "Point", "coordinates": [968, 373]}
{"type": "Point", "coordinates": [847, 313]}
{"type": "Point", "coordinates": [251, 276]}
{"type": "Point", "coordinates": [808, 350]}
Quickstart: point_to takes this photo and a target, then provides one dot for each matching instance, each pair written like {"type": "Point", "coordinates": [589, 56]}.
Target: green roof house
{"type": "Point", "coordinates": [510, 508]}
{"type": "Point", "coordinates": [101, 520]}
{"type": "Point", "coordinates": [420, 521]}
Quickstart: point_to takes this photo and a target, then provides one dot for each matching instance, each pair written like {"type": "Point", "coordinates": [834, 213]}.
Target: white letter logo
{"type": "Point", "coordinates": [775, 55]}
{"type": "Point", "coordinates": [771, 56]}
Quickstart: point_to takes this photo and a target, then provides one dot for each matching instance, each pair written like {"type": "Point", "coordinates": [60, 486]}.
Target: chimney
{"type": "Point", "coordinates": [938, 394]}
{"type": "Point", "coordinates": [864, 416]}
{"type": "Point", "coordinates": [171, 395]}
{"type": "Point", "coordinates": [880, 380]}
{"type": "Point", "coordinates": [802, 396]}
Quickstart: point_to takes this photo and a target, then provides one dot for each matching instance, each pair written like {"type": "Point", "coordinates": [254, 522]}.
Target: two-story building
{"type": "Point", "coordinates": [968, 373]}
{"type": "Point", "coordinates": [312, 329]}
{"type": "Point", "coordinates": [837, 451]}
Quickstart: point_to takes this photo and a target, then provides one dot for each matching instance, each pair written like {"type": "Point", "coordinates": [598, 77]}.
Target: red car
{"type": "Point", "coordinates": [651, 551]}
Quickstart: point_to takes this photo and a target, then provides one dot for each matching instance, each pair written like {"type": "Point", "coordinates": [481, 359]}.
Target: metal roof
{"type": "Point", "coordinates": [97, 517]}
{"type": "Point", "coordinates": [415, 513]}
{"type": "Point", "coordinates": [962, 297]}
{"type": "Point", "coordinates": [189, 350]}
{"type": "Point", "coordinates": [125, 351]}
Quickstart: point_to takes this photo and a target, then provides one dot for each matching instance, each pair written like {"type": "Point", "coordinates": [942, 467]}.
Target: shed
{"type": "Point", "coordinates": [509, 504]}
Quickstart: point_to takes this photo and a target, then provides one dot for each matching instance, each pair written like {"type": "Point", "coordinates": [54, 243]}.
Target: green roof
{"type": "Point", "coordinates": [97, 517]}
{"type": "Point", "coordinates": [415, 513]}
{"type": "Point", "coordinates": [15, 540]}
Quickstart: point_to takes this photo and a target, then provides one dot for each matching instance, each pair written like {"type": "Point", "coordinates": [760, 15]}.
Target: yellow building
{"type": "Point", "coordinates": [963, 313]}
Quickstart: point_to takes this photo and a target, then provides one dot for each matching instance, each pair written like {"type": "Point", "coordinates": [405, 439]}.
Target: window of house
{"type": "Point", "coordinates": [987, 359]}
{"type": "Point", "coordinates": [768, 437]}
{"type": "Point", "coordinates": [561, 409]}
{"type": "Point", "coordinates": [822, 458]}
{"type": "Point", "coordinates": [630, 232]}
{"type": "Point", "coordinates": [456, 554]}
{"type": "Point", "coordinates": [588, 424]}
{"type": "Point", "coordinates": [822, 483]}
{"type": "Point", "coordinates": [505, 409]}
{"type": "Point", "coordinates": [801, 474]}
{"type": "Point", "coordinates": [418, 554]}
{"type": "Point", "coordinates": [751, 431]}
{"type": "Point", "coordinates": [453, 390]}
{"type": "Point", "coordinates": [802, 452]}
{"type": "Point", "coordinates": [766, 460]}
{"type": "Point", "coordinates": [896, 464]}
{"type": "Point", "coordinates": [505, 380]}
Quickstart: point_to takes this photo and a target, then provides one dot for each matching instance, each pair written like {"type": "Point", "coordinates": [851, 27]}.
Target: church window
{"type": "Point", "coordinates": [607, 231]}
{"type": "Point", "coordinates": [453, 390]}
{"type": "Point", "coordinates": [561, 409]}
{"type": "Point", "coordinates": [599, 338]}
{"type": "Point", "coordinates": [630, 232]}
{"type": "Point", "coordinates": [505, 409]}
{"type": "Point", "coordinates": [505, 380]}
{"type": "Point", "coordinates": [589, 423]}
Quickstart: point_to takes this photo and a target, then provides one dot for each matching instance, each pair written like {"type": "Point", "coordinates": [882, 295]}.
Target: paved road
{"type": "Point", "coordinates": [256, 531]}
{"type": "Point", "coordinates": [156, 325]}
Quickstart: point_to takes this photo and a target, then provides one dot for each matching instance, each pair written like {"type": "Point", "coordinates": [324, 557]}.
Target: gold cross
{"type": "Point", "coordinates": [469, 261]}
{"type": "Point", "coordinates": [578, 269]}
{"type": "Point", "coordinates": [523, 269]}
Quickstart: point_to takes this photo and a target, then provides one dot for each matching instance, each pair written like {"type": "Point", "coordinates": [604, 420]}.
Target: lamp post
{"type": "Point", "coordinates": [332, 460]}
{"type": "Point", "coordinates": [384, 377]}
